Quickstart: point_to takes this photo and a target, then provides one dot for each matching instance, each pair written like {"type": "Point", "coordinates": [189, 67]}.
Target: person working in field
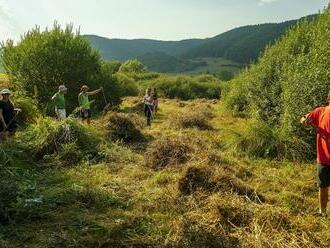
{"type": "Point", "coordinates": [148, 105]}
{"type": "Point", "coordinates": [8, 115]}
{"type": "Point", "coordinates": [59, 99]}
{"type": "Point", "coordinates": [320, 119]}
{"type": "Point", "coordinates": [85, 104]}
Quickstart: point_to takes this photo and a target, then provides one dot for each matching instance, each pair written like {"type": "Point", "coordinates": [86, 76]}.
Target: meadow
{"type": "Point", "coordinates": [182, 183]}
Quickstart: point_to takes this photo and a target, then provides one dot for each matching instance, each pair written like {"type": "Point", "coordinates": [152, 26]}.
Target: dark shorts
{"type": "Point", "coordinates": [86, 113]}
{"type": "Point", "coordinates": [323, 175]}
{"type": "Point", "coordinates": [12, 127]}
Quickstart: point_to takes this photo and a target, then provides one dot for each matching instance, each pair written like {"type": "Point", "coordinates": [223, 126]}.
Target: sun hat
{"type": "Point", "coordinates": [62, 88]}
{"type": "Point", "coordinates": [5, 92]}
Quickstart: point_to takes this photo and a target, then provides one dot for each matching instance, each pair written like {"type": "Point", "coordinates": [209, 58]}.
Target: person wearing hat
{"type": "Point", "coordinates": [59, 100]}
{"type": "Point", "coordinates": [320, 119]}
{"type": "Point", "coordinates": [85, 104]}
{"type": "Point", "coordinates": [8, 115]}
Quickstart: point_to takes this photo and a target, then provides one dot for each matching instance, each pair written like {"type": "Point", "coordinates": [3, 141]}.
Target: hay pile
{"type": "Point", "coordinates": [212, 179]}
{"type": "Point", "coordinates": [168, 152]}
{"type": "Point", "coordinates": [123, 127]}
{"type": "Point", "coordinates": [197, 117]}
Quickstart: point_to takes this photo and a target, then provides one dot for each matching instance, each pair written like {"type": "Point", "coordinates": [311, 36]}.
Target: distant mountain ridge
{"type": "Point", "coordinates": [241, 45]}
{"type": "Point", "coordinates": [121, 49]}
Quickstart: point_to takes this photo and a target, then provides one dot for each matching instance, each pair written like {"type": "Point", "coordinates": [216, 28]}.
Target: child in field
{"type": "Point", "coordinates": [59, 99]}
{"type": "Point", "coordinates": [85, 104]}
{"type": "Point", "coordinates": [148, 105]}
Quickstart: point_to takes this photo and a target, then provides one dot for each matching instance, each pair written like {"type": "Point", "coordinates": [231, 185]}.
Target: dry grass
{"type": "Point", "coordinates": [168, 152]}
{"type": "Point", "coordinates": [192, 118]}
{"type": "Point", "coordinates": [125, 127]}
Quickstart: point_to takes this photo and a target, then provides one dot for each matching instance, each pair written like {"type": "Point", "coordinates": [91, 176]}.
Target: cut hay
{"type": "Point", "coordinates": [120, 126]}
{"type": "Point", "coordinates": [210, 179]}
{"type": "Point", "coordinates": [168, 152]}
{"type": "Point", "coordinates": [191, 118]}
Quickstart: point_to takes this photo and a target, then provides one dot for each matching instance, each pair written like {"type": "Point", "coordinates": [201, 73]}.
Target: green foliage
{"type": "Point", "coordinates": [127, 84]}
{"type": "Point", "coordinates": [261, 140]}
{"type": "Point", "coordinates": [243, 44]}
{"type": "Point", "coordinates": [113, 88]}
{"type": "Point", "coordinates": [43, 60]}
{"type": "Point", "coordinates": [290, 79]}
{"type": "Point", "coordinates": [186, 87]}
{"type": "Point", "coordinates": [30, 112]}
{"type": "Point", "coordinates": [132, 66]}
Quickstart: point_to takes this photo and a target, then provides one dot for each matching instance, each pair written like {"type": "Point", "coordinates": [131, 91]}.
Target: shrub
{"type": "Point", "coordinates": [127, 84]}
{"type": "Point", "coordinates": [67, 139]}
{"type": "Point", "coordinates": [260, 140]}
{"type": "Point", "coordinates": [30, 112]}
{"type": "Point", "coordinates": [289, 80]}
{"type": "Point", "coordinates": [120, 126]}
{"type": "Point", "coordinates": [185, 87]}
{"type": "Point", "coordinates": [168, 152]}
{"type": "Point", "coordinates": [43, 60]}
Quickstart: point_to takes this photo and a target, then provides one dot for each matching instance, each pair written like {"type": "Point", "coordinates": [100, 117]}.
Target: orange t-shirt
{"type": "Point", "coordinates": [320, 119]}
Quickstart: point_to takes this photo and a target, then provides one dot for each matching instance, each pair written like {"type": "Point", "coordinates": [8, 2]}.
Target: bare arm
{"type": "Point", "coordinates": [91, 93]}
{"type": "Point", "coordinates": [2, 120]}
{"type": "Point", "coordinates": [54, 97]}
{"type": "Point", "coordinates": [79, 99]}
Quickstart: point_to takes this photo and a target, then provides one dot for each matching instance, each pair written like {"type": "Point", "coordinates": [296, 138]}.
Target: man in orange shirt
{"type": "Point", "coordinates": [320, 119]}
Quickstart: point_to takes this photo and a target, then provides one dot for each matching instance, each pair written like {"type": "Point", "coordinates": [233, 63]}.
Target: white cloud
{"type": "Point", "coordinates": [263, 2]}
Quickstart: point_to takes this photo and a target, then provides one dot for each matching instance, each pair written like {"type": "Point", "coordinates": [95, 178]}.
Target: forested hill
{"type": "Point", "coordinates": [242, 44]}
{"type": "Point", "coordinates": [121, 49]}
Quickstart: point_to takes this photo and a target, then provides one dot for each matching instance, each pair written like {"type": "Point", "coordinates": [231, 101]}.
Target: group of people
{"type": "Point", "coordinates": [150, 104]}
{"type": "Point", "coordinates": [83, 100]}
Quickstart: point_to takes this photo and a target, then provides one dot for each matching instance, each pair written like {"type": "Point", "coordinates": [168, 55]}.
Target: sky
{"type": "Point", "coordinates": [152, 19]}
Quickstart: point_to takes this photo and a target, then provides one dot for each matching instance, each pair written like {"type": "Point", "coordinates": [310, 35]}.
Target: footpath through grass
{"type": "Point", "coordinates": [180, 187]}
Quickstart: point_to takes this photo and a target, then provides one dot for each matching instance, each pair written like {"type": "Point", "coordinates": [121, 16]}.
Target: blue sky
{"type": "Point", "coordinates": [156, 19]}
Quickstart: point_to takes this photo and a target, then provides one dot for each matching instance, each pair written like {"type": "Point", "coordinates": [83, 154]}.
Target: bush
{"type": "Point", "coordinates": [185, 87]}
{"type": "Point", "coordinates": [69, 140]}
{"type": "Point", "coordinates": [127, 85]}
{"type": "Point", "coordinates": [43, 60]}
{"type": "Point", "coordinates": [289, 80]}
{"type": "Point", "coordinates": [30, 112]}
{"type": "Point", "coordinates": [120, 126]}
{"type": "Point", "coordinates": [260, 140]}
{"type": "Point", "coordinates": [168, 152]}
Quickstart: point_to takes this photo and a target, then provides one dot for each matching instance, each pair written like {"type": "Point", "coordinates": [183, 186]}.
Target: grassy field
{"type": "Point", "coordinates": [196, 189]}
{"type": "Point", "coordinates": [216, 65]}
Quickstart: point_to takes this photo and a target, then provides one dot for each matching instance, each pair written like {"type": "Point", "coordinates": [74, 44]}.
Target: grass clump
{"type": "Point", "coordinates": [192, 118]}
{"type": "Point", "coordinates": [121, 126]}
{"type": "Point", "coordinates": [263, 141]}
{"type": "Point", "coordinates": [168, 152]}
{"type": "Point", "coordinates": [69, 140]}
{"type": "Point", "coordinates": [210, 179]}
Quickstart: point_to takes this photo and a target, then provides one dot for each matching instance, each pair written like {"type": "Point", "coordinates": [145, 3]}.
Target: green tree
{"type": "Point", "coordinates": [132, 66]}
{"type": "Point", "coordinates": [42, 60]}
